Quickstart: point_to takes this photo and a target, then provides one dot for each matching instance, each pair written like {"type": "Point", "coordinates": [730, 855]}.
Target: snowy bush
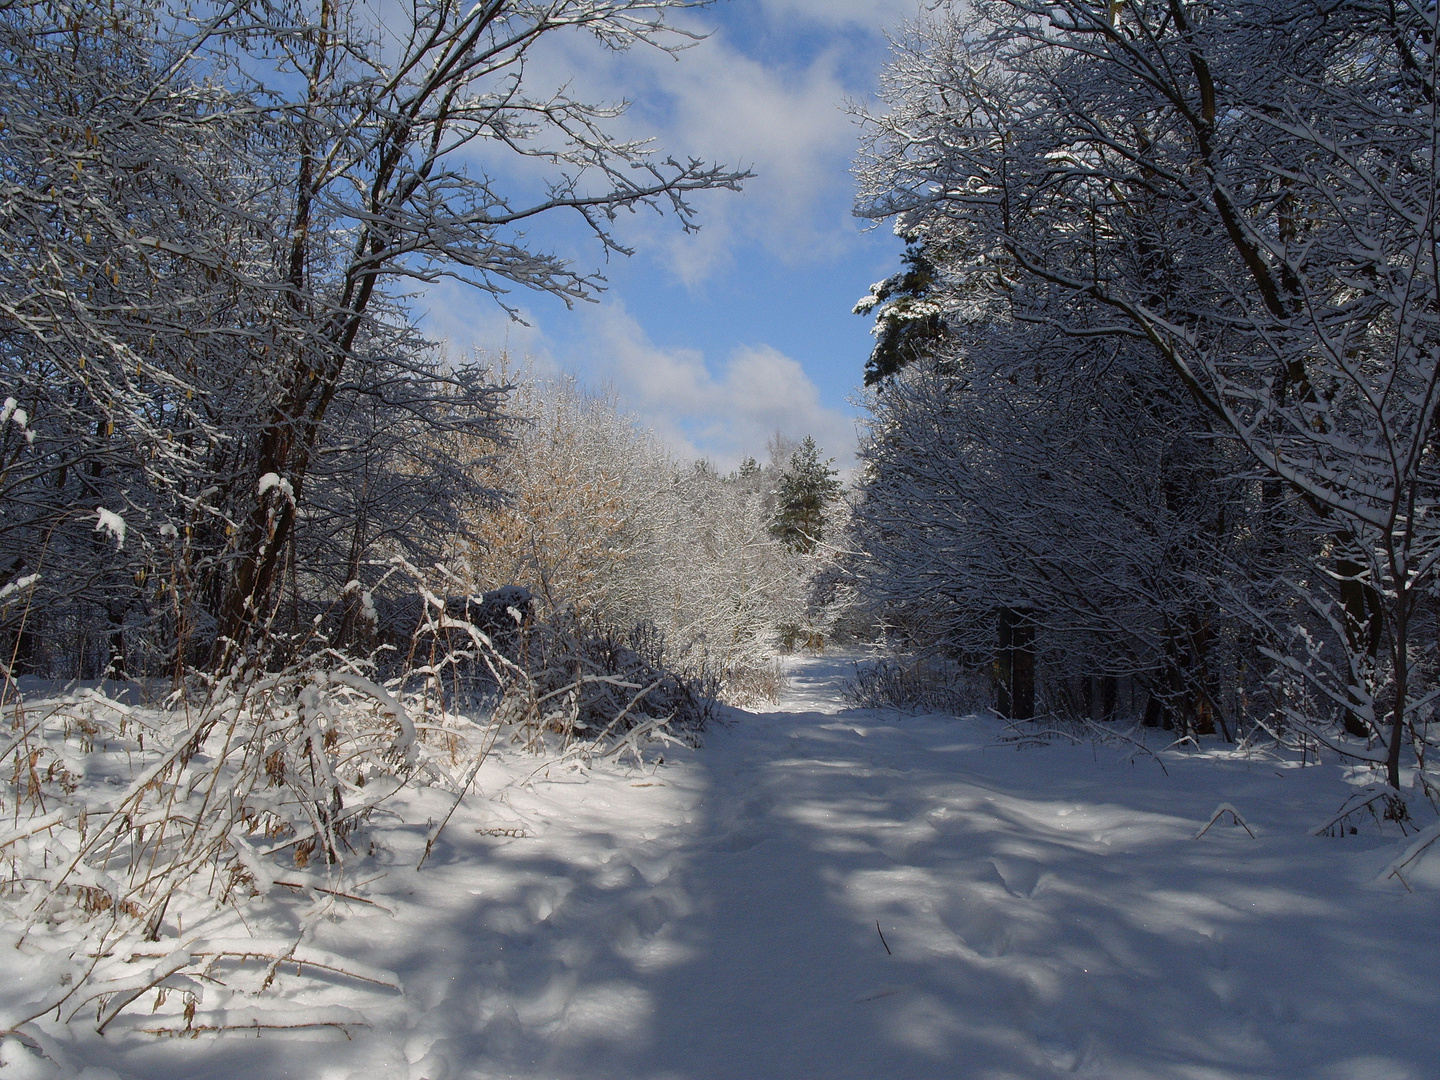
{"type": "Point", "coordinates": [607, 530]}
{"type": "Point", "coordinates": [140, 834]}
{"type": "Point", "coordinates": [923, 684]}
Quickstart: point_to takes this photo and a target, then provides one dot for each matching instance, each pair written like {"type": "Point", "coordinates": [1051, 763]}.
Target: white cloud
{"type": "Point", "coordinates": [781, 112]}
{"type": "Point", "coordinates": [470, 323]}
{"type": "Point", "coordinates": [777, 108]}
{"type": "Point", "coordinates": [864, 13]}
{"type": "Point", "coordinates": [723, 416]}
{"type": "Point", "coordinates": [791, 130]}
{"type": "Point", "coordinates": [786, 120]}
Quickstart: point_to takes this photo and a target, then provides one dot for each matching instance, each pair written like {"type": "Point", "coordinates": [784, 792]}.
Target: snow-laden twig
{"type": "Point", "coordinates": [1220, 811]}
{"type": "Point", "coordinates": [1359, 801]}
{"type": "Point", "coordinates": [1416, 848]}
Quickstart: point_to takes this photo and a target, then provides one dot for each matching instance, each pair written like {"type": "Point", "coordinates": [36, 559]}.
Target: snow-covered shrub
{"type": "Point", "coordinates": [585, 684]}
{"type": "Point", "coordinates": [140, 834]}
{"type": "Point", "coordinates": [606, 529]}
{"type": "Point", "coordinates": [136, 827]}
{"type": "Point", "coordinates": [923, 684]}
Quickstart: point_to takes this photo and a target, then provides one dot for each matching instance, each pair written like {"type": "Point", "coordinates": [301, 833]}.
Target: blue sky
{"type": "Point", "coordinates": [718, 339]}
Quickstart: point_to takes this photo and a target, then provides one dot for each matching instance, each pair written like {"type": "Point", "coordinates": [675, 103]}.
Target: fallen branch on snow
{"type": "Point", "coordinates": [1220, 811]}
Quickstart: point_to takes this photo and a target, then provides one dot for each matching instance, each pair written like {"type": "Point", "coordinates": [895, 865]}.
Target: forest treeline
{"type": "Point", "coordinates": [222, 430]}
{"type": "Point", "coordinates": [1153, 433]}
{"type": "Point", "coordinates": [600, 521]}
{"type": "Point", "coordinates": [1154, 396]}
{"type": "Point", "coordinates": [272, 562]}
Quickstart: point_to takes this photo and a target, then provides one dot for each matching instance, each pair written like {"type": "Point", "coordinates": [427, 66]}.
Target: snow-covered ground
{"type": "Point", "coordinates": [828, 895]}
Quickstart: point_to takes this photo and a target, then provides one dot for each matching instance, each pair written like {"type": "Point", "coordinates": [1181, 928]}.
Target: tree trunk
{"type": "Point", "coordinates": [1363, 629]}
{"type": "Point", "coordinates": [1402, 688]}
{"type": "Point", "coordinates": [1109, 690]}
{"type": "Point", "coordinates": [1015, 664]}
{"type": "Point", "coordinates": [115, 615]}
{"type": "Point", "coordinates": [1154, 711]}
{"type": "Point", "coordinates": [1004, 673]}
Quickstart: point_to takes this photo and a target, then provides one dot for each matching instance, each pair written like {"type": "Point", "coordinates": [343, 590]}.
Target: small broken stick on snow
{"type": "Point", "coordinates": [1220, 811]}
{"type": "Point", "coordinates": [883, 992]}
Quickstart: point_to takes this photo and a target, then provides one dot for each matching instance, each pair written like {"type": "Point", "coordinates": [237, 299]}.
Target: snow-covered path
{"type": "Point", "coordinates": [1044, 913]}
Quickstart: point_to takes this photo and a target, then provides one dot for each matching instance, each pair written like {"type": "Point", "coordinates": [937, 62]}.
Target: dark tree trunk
{"type": "Point", "coordinates": [115, 614]}
{"type": "Point", "coordinates": [1154, 711]}
{"type": "Point", "coordinates": [1004, 674]}
{"type": "Point", "coordinates": [1402, 611]}
{"type": "Point", "coordinates": [1363, 629]}
{"type": "Point", "coordinates": [1109, 689]}
{"type": "Point", "coordinates": [1015, 664]}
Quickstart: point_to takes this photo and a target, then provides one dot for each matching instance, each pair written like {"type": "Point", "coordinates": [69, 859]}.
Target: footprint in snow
{"type": "Point", "coordinates": [1019, 875]}
{"type": "Point", "coordinates": [740, 841]}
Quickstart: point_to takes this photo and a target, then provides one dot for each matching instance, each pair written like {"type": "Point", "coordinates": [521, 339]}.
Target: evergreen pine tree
{"type": "Point", "coordinates": [909, 320]}
{"type": "Point", "coordinates": [806, 488]}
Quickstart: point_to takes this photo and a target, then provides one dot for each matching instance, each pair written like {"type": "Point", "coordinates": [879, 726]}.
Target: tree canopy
{"type": "Point", "coordinates": [1178, 257]}
{"type": "Point", "coordinates": [807, 487]}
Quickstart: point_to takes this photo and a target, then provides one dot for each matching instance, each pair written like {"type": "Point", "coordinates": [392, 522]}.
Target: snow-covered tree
{"type": "Point", "coordinates": [601, 521]}
{"type": "Point", "coordinates": [1039, 485]}
{"type": "Point", "coordinates": [206, 215]}
{"type": "Point", "coordinates": [385, 187]}
{"type": "Point", "coordinates": [806, 489]}
{"type": "Point", "coordinates": [1246, 191]}
{"type": "Point", "coordinates": [909, 322]}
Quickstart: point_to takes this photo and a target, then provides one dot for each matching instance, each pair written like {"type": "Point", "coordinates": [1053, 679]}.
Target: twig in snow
{"type": "Point", "coordinates": [1347, 808]}
{"type": "Point", "coordinates": [336, 893]}
{"type": "Point", "coordinates": [882, 939]}
{"type": "Point", "coordinates": [192, 1030]}
{"type": "Point", "coordinates": [1411, 853]}
{"type": "Point", "coordinates": [1221, 810]}
{"type": "Point", "coordinates": [1125, 736]}
{"type": "Point", "coordinates": [460, 794]}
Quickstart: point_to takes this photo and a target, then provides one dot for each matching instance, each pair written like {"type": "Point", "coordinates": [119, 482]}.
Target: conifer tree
{"type": "Point", "coordinates": [807, 487]}
{"type": "Point", "coordinates": [909, 319]}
